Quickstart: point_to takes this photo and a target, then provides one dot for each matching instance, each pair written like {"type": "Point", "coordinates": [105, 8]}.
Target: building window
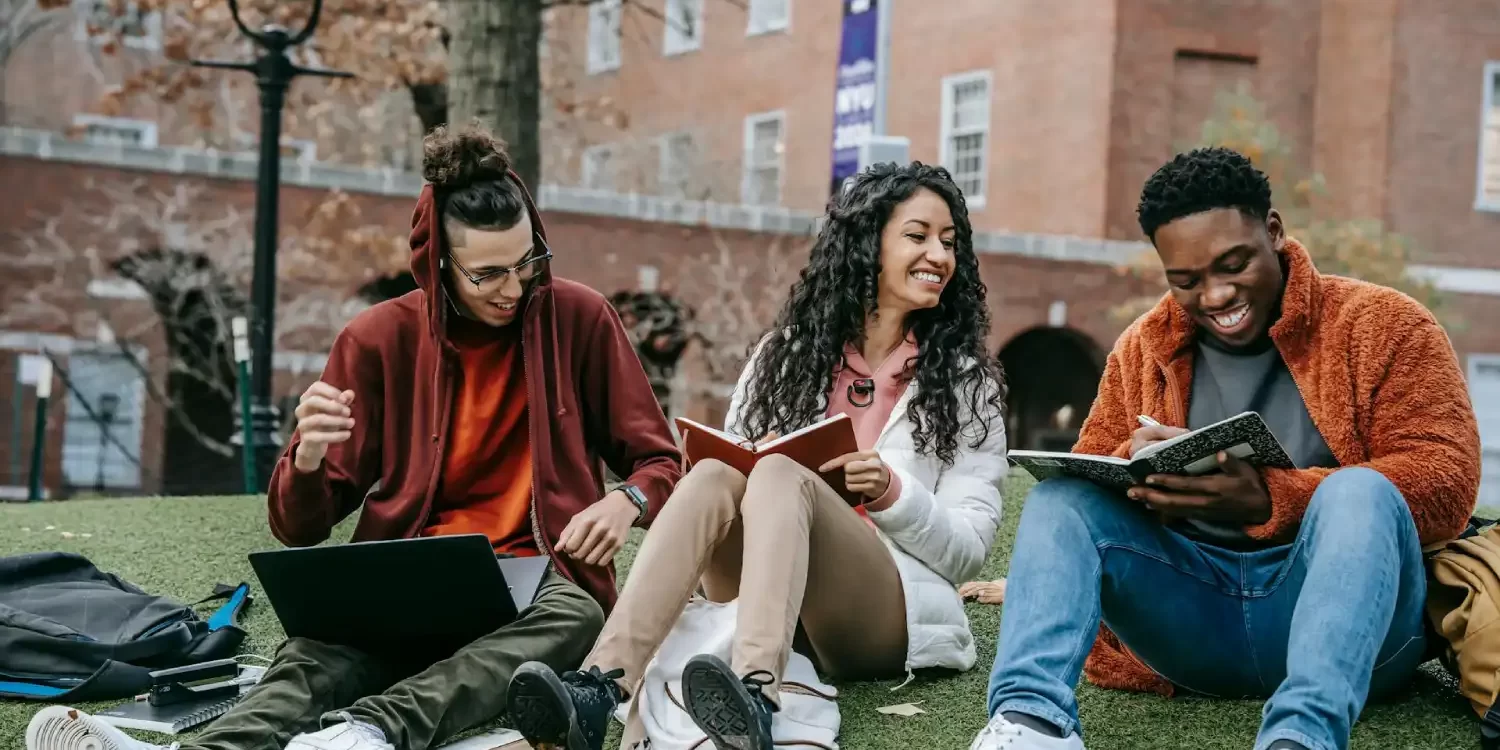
{"type": "Point", "coordinates": [102, 437]}
{"type": "Point", "coordinates": [769, 15]}
{"type": "Point", "coordinates": [679, 160]}
{"type": "Point", "coordinates": [102, 22]}
{"type": "Point", "coordinates": [116, 130]}
{"type": "Point", "coordinates": [599, 168]}
{"type": "Point", "coordinates": [1488, 197]}
{"type": "Point", "coordinates": [683, 22]}
{"type": "Point", "coordinates": [604, 36]}
{"type": "Point", "coordinates": [765, 146]}
{"type": "Point", "coordinates": [966, 131]}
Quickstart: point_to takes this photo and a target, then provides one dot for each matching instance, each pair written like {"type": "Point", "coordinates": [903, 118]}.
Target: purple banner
{"type": "Point", "coordinates": [854, 93]}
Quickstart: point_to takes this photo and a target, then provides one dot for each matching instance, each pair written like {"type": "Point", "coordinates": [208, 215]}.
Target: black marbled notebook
{"type": "Point", "coordinates": [1244, 436]}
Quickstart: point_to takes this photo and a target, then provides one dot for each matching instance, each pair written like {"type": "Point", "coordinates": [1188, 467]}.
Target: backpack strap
{"type": "Point", "coordinates": [222, 633]}
{"type": "Point", "coordinates": [228, 614]}
{"type": "Point", "coordinates": [111, 681]}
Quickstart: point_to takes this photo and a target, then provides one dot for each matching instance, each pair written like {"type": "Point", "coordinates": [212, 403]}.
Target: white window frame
{"type": "Point", "coordinates": [599, 57]}
{"type": "Point", "coordinates": [747, 167]}
{"type": "Point", "coordinates": [588, 167]}
{"type": "Point", "coordinates": [946, 132]}
{"type": "Point", "coordinates": [675, 40]}
{"type": "Point", "coordinates": [665, 163]}
{"type": "Point", "coordinates": [756, 23]}
{"type": "Point", "coordinates": [147, 128]}
{"type": "Point", "coordinates": [151, 21]}
{"type": "Point", "coordinates": [1488, 110]}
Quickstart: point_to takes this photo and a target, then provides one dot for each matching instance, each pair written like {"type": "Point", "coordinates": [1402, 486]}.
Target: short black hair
{"type": "Point", "coordinates": [1201, 180]}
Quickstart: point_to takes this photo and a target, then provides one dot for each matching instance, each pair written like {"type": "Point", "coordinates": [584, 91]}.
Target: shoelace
{"type": "Point", "coordinates": [365, 730]}
{"type": "Point", "coordinates": [595, 677]}
{"type": "Point", "coordinates": [1001, 730]}
{"type": "Point", "coordinates": [756, 683]}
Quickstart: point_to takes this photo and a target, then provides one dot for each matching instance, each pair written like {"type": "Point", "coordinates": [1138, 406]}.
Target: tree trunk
{"type": "Point", "coordinates": [494, 75]}
{"type": "Point", "coordinates": [430, 100]}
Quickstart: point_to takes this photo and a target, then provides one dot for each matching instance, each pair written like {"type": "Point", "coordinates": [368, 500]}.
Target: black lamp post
{"type": "Point", "coordinates": [108, 407]}
{"type": "Point", "coordinates": [273, 71]}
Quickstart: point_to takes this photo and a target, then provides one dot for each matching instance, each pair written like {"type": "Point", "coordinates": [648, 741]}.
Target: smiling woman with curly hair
{"type": "Point", "coordinates": [886, 325]}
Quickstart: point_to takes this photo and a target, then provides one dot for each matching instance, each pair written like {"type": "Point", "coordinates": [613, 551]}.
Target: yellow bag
{"type": "Point", "coordinates": [1463, 610]}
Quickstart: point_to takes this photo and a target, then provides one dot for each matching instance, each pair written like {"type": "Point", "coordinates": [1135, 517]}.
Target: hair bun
{"type": "Point", "coordinates": [454, 159]}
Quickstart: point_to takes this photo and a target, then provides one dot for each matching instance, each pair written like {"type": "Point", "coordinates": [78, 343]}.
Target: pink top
{"type": "Point", "coordinates": [870, 419]}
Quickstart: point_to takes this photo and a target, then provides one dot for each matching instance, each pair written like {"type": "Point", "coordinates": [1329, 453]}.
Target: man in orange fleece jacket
{"type": "Point", "coordinates": [1302, 585]}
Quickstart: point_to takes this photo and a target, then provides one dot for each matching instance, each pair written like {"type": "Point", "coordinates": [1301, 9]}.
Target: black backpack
{"type": "Point", "coordinates": [69, 631]}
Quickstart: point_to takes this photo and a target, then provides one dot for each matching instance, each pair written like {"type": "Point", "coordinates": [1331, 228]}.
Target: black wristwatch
{"type": "Point", "coordinates": [636, 496]}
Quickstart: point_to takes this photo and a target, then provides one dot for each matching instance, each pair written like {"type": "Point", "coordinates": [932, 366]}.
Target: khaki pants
{"type": "Point", "coordinates": [783, 543]}
{"type": "Point", "coordinates": [418, 706]}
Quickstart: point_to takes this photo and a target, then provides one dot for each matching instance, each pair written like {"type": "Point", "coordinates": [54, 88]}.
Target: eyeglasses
{"type": "Point", "coordinates": [526, 270]}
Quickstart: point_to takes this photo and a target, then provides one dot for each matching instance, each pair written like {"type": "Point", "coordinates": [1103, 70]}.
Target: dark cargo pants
{"type": "Point", "coordinates": [417, 706]}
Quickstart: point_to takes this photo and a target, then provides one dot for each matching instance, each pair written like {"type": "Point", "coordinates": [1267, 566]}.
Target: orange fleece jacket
{"type": "Point", "coordinates": [1381, 382]}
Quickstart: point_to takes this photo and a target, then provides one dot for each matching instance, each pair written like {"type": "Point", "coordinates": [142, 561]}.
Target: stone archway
{"type": "Point", "coordinates": [1053, 374]}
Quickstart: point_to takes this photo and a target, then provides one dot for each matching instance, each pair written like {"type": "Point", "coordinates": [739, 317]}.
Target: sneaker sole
{"type": "Point", "coordinates": [543, 712]}
{"type": "Point", "coordinates": [721, 706]}
{"type": "Point", "coordinates": [63, 728]}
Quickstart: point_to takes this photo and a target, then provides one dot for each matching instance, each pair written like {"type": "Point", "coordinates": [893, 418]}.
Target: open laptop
{"type": "Point", "coordinates": [430, 594]}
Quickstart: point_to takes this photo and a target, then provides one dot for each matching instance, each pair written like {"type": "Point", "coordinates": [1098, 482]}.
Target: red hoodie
{"type": "Point", "coordinates": [588, 394]}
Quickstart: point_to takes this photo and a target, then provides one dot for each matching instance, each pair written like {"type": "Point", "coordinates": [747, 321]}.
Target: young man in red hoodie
{"type": "Point", "coordinates": [485, 402]}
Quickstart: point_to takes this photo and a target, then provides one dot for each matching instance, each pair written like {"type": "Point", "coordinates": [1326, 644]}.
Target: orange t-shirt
{"type": "Point", "coordinates": [485, 487]}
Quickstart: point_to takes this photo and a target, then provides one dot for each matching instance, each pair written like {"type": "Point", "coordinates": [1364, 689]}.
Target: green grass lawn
{"type": "Point", "coordinates": [182, 547]}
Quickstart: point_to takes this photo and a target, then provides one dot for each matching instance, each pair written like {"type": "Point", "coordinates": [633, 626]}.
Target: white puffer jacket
{"type": "Point", "coordinates": [939, 530]}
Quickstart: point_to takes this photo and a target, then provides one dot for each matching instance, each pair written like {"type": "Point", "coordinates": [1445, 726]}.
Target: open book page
{"type": "Point", "coordinates": [687, 425]}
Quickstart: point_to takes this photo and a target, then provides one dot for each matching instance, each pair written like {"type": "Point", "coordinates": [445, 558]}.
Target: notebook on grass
{"type": "Point", "coordinates": [176, 718]}
{"type": "Point", "coordinates": [811, 446]}
{"type": "Point", "coordinates": [1244, 436]}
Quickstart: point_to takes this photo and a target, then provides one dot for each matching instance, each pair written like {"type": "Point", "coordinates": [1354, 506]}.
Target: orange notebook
{"type": "Point", "coordinates": [811, 446]}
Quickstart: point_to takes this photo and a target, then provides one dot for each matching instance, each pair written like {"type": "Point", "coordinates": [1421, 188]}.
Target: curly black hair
{"type": "Point", "coordinates": [1200, 180]}
{"type": "Point", "coordinates": [959, 385]}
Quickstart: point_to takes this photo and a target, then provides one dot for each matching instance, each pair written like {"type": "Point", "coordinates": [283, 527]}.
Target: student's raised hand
{"type": "Point", "coordinates": [600, 530]}
{"type": "Point", "coordinates": [1144, 436]}
{"type": "Point", "coordinates": [324, 417]}
{"type": "Point", "coordinates": [1237, 494]}
{"type": "Point", "coordinates": [864, 472]}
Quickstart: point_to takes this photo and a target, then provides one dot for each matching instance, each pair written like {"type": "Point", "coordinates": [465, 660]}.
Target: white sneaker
{"type": "Point", "coordinates": [64, 728]}
{"type": "Point", "coordinates": [1001, 734]}
{"type": "Point", "coordinates": [345, 735]}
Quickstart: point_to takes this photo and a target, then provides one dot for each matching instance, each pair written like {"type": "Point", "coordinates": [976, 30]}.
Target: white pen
{"type": "Point", "coordinates": [1147, 421]}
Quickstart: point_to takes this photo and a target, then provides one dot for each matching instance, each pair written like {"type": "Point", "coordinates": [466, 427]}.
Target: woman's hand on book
{"type": "Point", "coordinates": [768, 438]}
{"type": "Point", "coordinates": [1144, 436]}
{"type": "Point", "coordinates": [1236, 494]}
{"type": "Point", "coordinates": [864, 472]}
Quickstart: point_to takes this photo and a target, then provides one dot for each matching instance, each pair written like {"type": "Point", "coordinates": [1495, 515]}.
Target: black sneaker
{"type": "Point", "coordinates": [567, 713]}
{"type": "Point", "coordinates": [733, 712]}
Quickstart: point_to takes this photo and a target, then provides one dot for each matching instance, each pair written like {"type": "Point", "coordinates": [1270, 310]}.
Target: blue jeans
{"type": "Point", "coordinates": [1317, 625]}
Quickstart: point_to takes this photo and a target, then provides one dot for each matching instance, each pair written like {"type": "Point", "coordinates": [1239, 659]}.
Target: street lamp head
{"type": "Point", "coordinates": [276, 36]}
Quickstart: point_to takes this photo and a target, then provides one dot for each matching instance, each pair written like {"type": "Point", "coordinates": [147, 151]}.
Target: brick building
{"type": "Point", "coordinates": [1050, 113]}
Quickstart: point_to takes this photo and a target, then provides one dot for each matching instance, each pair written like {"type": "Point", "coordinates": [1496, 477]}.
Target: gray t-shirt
{"type": "Point", "coordinates": [1228, 383]}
